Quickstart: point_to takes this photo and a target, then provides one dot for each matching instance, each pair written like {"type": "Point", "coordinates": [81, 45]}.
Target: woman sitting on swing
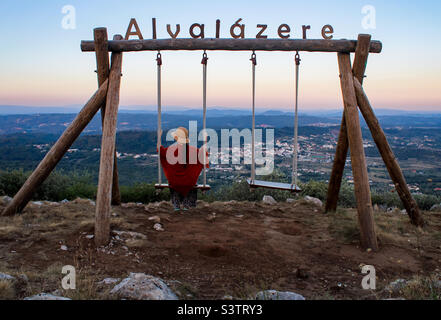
{"type": "Point", "coordinates": [182, 165]}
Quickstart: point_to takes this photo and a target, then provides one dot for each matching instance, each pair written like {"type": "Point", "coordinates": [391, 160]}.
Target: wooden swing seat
{"type": "Point", "coordinates": [274, 185]}
{"type": "Point", "coordinates": [199, 186]}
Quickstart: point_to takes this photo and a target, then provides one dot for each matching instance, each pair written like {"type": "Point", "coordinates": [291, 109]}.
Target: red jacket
{"type": "Point", "coordinates": [182, 176]}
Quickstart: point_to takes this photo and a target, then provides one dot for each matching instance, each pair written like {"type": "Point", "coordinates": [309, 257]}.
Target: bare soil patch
{"type": "Point", "coordinates": [249, 247]}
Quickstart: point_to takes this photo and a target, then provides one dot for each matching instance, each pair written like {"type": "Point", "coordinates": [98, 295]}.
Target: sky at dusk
{"type": "Point", "coordinates": [42, 64]}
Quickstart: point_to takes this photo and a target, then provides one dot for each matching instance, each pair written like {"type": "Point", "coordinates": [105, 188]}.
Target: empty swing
{"type": "Point", "coordinates": [253, 183]}
{"type": "Point", "coordinates": [204, 186]}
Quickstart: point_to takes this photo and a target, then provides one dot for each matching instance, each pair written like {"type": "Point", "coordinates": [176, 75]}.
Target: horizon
{"type": "Point", "coordinates": [56, 73]}
{"type": "Point", "coordinates": [72, 109]}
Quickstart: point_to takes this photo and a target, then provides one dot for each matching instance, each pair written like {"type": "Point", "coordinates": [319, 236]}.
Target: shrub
{"type": "Point", "coordinates": [143, 192]}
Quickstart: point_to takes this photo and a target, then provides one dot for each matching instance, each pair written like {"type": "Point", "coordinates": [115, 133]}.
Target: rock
{"type": "Point", "coordinates": [314, 201]}
{"type": "Point", "coordinates": [46, 296]}
{"type": "Point", "coordinates": [63, 247]}
{"type": "Point", "coordinates": [269, 200]}
{"type": "Point", "coordinates": [5, 200]}
{"type": "Point", "coordinates": [64, 201]}
{"type": "Point", "coordinates": [290, 200]}
{"type": "Point", "coordinates": [130, 234]}
{"type": "Point", "coordinates": [90, 236]}
{"type": "Point", "coordinates": [158, 227]}
{"type": "Point", "coordinates": [155, 219]}
{"type": "Point", "coordinates": [396, 286]}
{"type": "Point", "coordinates": [436, 207]}
{"type": "Point", "coordinates": [211, 217]}
{"type": "Point", "coordinates": [37, 203]}
{"type": "Point", "coordinates": [278, 295]}
{"type": "Point", "coordinates": [227, 297]}
{"type": "Point", "coordinates": [109, 281]}
{"type": "Point", "coordinates": [139, 286]}
{"type": "Point", "coordinates": [4, 276]}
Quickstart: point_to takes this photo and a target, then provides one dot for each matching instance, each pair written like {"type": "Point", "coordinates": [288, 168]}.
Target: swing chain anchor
{"type": "Point", "coordinates": [298, 58]}
{"type": "Point", "coordinates": [204, 58]}
{"type": "Point", "coordinates": [159, 58]}
{"type": "Point", "coordinates": [254, 58]}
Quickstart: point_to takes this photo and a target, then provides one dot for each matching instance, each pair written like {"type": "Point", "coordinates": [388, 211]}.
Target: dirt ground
{"type": "Point", "coordinates": [248, 247]}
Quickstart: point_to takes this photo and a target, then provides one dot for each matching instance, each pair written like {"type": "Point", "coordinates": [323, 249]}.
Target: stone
{"type": "Point", "coordinates": [139, 286]}
{"type": "Point", "coordinates": [158, 227]}
{"type": "Point", "coordinates": [436, 207]}
{"type": "Point", "coordinates": [130, 234]}
{"type": "Point", "coordinates": [396, 285]}
{"type": "Point", "coordinates": [278, 295]}
{"type": "Point", "coordinates": [63, 247]}
{"type": "Point", "coordinates": [155, 219]}
{"type": "Point", "coordinates": [314, 201]}
{"type": "Point", "coordinates": [109, 281]}
{"type": "Point", "coordinates": [4, 276]}
{"type": "Point", "coordinates": [5, 200]}
{"type": "Point", "coordinates": [64, 201]}
{"type": "Point", "coordinates": [290, 200]}
{"type": "Point", "coordinates": [269, 200]}
{"type": "Point", "coordinates": [46, 296]}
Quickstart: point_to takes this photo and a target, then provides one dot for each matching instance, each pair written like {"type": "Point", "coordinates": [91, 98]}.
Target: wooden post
{"type": "Point", "coordinates": [388, 156]}
{"type": "Point", "coordinates": [338, 168]}
{"type": "Point", "coordinates": [359, 168]}
{"type": "Point", "coordinates": [359, 68]}
{"type": "Point", "coordinates": [103, 201]}
{"type": "Point", "coordinates": [57, 152]}
{"type": "Point", "coordinates": [102, 62]}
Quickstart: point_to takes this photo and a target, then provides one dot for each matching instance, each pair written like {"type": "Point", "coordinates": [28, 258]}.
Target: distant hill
{"type": "Point", "coordinates": [28, 120]}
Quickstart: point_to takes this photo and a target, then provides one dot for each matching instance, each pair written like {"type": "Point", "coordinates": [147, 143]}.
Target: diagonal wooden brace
{"type": "Point", "coordinates": [57, 152]}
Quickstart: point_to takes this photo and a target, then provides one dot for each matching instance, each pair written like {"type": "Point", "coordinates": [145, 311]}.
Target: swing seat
{"type": "Point", "coordinates": [274, 185]}
{"type": "Point", "coordinates": [199, 187]}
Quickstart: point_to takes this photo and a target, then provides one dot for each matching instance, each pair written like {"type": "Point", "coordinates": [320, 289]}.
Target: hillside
{"type": "Point", "coordinates": [250, 246]}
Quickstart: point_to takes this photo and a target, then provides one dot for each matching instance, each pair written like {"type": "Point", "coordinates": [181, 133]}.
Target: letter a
{"type": "Point", "coordinates": [369, 281]}
{"type": "Point", "coordinates": [68, 282]}
{"type": "Point", "coordinates": [137, 32]}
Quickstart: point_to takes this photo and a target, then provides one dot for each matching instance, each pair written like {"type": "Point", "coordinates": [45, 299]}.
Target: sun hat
{"type": "Point", "coordinates": [181, 135]}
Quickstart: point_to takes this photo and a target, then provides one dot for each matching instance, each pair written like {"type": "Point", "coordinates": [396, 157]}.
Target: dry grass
{"type": "Point", "coordinates": [7, 290]}
{"type": "Point", "coordinates": [423, 288]}
{"type": "Point", "coordinates": [343, 226]}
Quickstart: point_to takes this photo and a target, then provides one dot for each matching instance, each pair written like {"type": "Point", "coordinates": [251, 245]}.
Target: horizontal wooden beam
{"type": "Point", "coordinates": [234, 45]}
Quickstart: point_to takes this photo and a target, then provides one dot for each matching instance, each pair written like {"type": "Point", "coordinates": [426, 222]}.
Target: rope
{"type": "Point", "coordinates": [159, 63]}
{"type": "Point", "coordinates": [204, 98]}
{"type": "Point", "coordinates": [296, 125]}
{"type": "Point", "coordinates": [253, 164]}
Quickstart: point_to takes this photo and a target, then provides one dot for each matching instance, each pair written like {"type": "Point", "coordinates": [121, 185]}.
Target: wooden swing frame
{"type": "Point", "coordinates": [106, 98]}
